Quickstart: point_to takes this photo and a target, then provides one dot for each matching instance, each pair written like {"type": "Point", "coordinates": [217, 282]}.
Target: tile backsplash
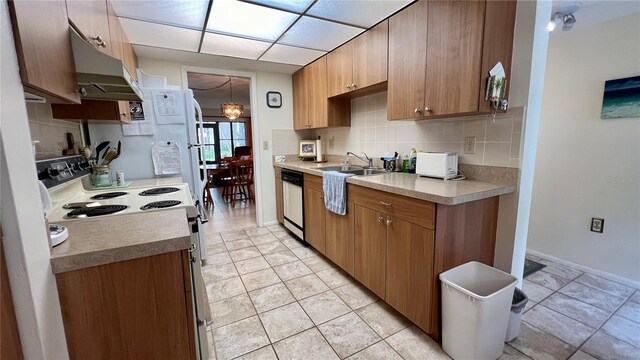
{"type": "Point", "coordinates": [51, 133]}
{"type": "Point", "coordinates": [497, 142]}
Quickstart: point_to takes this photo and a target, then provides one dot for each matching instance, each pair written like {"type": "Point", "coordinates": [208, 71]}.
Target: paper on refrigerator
{"type": "Point", "coordinates": [168, 107]}
{"type": "Point", "coordinates": [166, 158]}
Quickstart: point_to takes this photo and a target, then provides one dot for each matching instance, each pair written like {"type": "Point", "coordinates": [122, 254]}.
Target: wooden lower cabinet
{"type": "Point", "coordinates": [314, 219]}
{"type": "Point", "coordinates": [370, 249]}
{"type": "Point", "coordinates": [409, 272]}
{"type": "Point", "coordinates": [279, 196]}
{"type": "Point", "coordinates": [339, 235]}
{"type": "Point", "coordinates": [134, 309]}
{"type": "Point", "coordinates": [397, 246]}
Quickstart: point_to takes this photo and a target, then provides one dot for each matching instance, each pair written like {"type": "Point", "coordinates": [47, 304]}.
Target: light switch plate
{"type": "Point", "coordinates": [265, 145]}
{"type": "Point", "coordinates": [279, 158]}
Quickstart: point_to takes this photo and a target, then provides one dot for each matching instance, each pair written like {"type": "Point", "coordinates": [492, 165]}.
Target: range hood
{"type": "Point", "coordinates": [100, 76]}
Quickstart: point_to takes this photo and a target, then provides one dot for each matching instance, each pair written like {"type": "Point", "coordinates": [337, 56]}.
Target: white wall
{"type": "Point", "coordinates": [263, 122]}
{"type": "Point", "coordinates": [25, 242]}
{"type": "Point", "coordinates": [588, 167]}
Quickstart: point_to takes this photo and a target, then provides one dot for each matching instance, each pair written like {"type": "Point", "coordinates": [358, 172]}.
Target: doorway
{"type": "Point", "coordinates": [227, 154]}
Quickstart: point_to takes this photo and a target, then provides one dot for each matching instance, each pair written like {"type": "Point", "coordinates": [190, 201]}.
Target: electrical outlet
{"type": "Point", "coordinates": [279, 158]}
{"type": "Point", "coordinates": [470, 145]}
{"type": "Point", "coordinates": [332, 141]}
{"type": "Point", "coordinates": [265, 145]}
{"type": "Point", "coordinates": [597, 225]}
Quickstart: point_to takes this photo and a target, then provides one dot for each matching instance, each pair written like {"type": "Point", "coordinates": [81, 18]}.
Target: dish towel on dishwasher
{"type": "Point", "coordinates": [334, 185]}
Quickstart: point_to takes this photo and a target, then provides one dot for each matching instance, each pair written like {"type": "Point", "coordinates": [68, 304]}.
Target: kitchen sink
{"type": "Point", "coordinates": [364, 172]}
{"type": "Point", "coordinates": [341, 168]}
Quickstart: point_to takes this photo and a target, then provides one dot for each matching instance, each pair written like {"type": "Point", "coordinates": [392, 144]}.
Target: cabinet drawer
{"type": "Point", "coordinates": [415, 211]}
{"type": "Point", "coordinates": [313, 182]}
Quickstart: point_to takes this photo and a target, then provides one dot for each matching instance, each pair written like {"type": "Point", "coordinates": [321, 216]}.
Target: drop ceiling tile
{"type": "Point", "coordinates": [318, 34]}
{"type": "Point", "coordinates": [233, 46]}
{"type": "Point", "coordinates": [249, 20]}
{"type": "Point", "coordinates": [365, 13]}
{"type": "Point", "coordinates": [297, 6]}
{"type": "Point", "coordinates": [185, 13]}
{"type": "Point", "coordinates": [164, 36]}
{"type": "Point", "coordinates": [291, 55]}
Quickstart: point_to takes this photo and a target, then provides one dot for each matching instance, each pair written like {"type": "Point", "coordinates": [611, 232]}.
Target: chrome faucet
{"type": "Point", "coordinates": [368, 161]}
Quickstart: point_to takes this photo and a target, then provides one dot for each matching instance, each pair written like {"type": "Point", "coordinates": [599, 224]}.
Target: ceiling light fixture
{"type": "Point", "coordinates": [231, 110]}
{"type": "Point", "coordinates": [563, 15]}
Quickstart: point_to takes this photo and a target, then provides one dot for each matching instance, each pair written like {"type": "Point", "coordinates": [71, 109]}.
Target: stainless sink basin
{"type": "Point", "coordinates": [340, 168]}
{"type": "Point", "coordinates": [364, 172]}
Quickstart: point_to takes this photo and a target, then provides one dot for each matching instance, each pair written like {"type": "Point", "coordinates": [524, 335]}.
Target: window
{"type": "Point", "coordinates": [220, 138]}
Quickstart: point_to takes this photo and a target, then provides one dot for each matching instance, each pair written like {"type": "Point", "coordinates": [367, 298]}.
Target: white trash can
{"type": "Point", "coordinates": [476, 302]}
{"type": "Point", "coordinates": [520, 300]}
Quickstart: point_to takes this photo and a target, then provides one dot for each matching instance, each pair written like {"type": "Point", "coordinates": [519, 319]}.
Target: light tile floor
{"type": "Point", "coordinates": [272, 298]}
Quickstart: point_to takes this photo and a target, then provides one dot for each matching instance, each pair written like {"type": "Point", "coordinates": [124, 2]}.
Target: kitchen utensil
{"type": "Point", "coordinates": [86, 152]}
{"type": "Point", "coordinates": [70, 143]}
{"type": "Point", "coordinates": [109, 156]}
{"type": "Point", "coordinates": [99, 148]}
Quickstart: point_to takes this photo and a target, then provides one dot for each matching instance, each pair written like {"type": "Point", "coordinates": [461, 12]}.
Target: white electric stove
{"type": "Point", "coordinates": [67, 183]}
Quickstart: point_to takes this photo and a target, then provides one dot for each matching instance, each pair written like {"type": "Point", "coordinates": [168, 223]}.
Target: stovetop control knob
{"type": "Point", "coordinates": [74, 168]}
{"type": "Point", "coordinates": [48, 174]}
{"type": "Point", "coordinates": [83, 166]}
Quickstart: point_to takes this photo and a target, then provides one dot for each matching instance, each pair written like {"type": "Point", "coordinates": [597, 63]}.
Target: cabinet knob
{"type": "Point", "coordinates": [388, 222]}
{"type": "Point", "coordinates": [100, 41]}
{"type": "Point", "coordinates": [380, 218]}
{"type": "Point", "coordinates": [427, 109]}
{"type": "Point", "coordinates": [82, 91]}
{"type": "Point", "coordinates": [385, 203]}
{"type": "Point", "coordinates": [321, 196]}
{"type": "Point", "coordinates": [417, 111]}
{"type": "Point", "coordinates": [349, 87]}
{"type": "Point", "coordinates": [123, 114]}
{"type": "Point", "coordinates": [353, 86]}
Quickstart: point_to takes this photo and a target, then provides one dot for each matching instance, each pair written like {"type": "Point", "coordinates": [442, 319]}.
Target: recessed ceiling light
{"type": "Point", "coordinates": [185, 13]}
{"type": "Point", "coordinates": [291, 55]}
{"type": "Point", "coordinates": [249, 20]}
{"type": "Point", "coordinates": [158, 35]}
{"type": "Point", "coordinates": [360, 13]}
{"type": "Point", "coordinates": [233, 46]}
{"type": "Point", "coordinates": [318, 34]}
{"type": "Point", "coordinates": [297, 6]}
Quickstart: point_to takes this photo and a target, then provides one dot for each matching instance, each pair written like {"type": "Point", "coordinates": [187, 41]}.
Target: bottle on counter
{"type": "Point", "coordinates": [405, 164]}
{"type": "Point", "coordinates": [413, 155]}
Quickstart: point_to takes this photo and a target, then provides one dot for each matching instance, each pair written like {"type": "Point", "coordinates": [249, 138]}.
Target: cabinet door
{"type": "Point", "coordinates": [93, 110]}
{"type": "Point", "coordinates": [454, 56]}
{"type": "Point", "coordinates": [340, 70]}
{"type": "Point", "coordinates": [129, 57]}
{"type": "Point", "coordinates": [370, 56]}
{"type": "Point", "coordinates": [279, 198]}
{"type": "Point", "coordinates": [407, 62]}
{"type": "Point", "coordinates": [409, 270]}
{"type": "Point", "coordinates": [316, 89]}
{"type": "Point", "coordinates": [40, 29]}
{"type": "Point", "coordinates": [123, 112]}
{"type": "Point", "coordinates": [370, 249]}
{"type": "Point", "coordinates": [300, 109]}
{"type": "Point", "coordinates": [314, 219]}
{"type": "Point", "coordinates": [339, 234]}
{"type": "Point", "coordinates": [91, 19]}
{"type": "Point", "coordinates": [115, 33]}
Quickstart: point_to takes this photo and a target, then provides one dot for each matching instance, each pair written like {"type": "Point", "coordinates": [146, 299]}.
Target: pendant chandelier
{"type": "Point", "coordinates": [231, 110]}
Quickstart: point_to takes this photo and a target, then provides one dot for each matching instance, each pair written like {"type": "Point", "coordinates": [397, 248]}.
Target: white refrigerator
{"type": "Point", "coordinates": [186, 131]}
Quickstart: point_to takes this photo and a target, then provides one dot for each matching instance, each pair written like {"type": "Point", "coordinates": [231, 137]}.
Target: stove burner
{"type": "Point", "coordinates": [159, 191]}
{"type": "Point", "coordinates": [160, 204]}
{"type": "Point", "coordinates": [96, 211]}
{"type": "Point", "coordinates": [109, 195]}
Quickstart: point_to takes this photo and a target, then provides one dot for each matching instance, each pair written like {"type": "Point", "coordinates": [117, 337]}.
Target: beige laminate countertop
{"type": "Point", "coordinates": [444, 192]}
{"type": "Point", "coordinates": [100, 241]}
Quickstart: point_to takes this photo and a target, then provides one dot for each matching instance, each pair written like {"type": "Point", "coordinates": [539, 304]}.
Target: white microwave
{"type": "Point", "coordinates": [443, 165]}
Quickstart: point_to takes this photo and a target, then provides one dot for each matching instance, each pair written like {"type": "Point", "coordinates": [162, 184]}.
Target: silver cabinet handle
{"type": "Point", "coordinates": [321, 196]}
{"type": "Point", "coordinates": [385, 203]}
{"type": "Point", "coordinates": [82, 91]}
{"type": "Point", "coordinates": [353, 86]}
{"type": "Point", "coordinates": [380, 218]}
{"type": "Point", "coordinates": [427, 109]}
{"type": "Point", "coordinates": [417, 111]}
{"type": "Point", "coordinates": [388, 222]}
{"type": "Point", "coordinates": [100, 41]}
{"type": "Point", "coordinates": [123, 114]}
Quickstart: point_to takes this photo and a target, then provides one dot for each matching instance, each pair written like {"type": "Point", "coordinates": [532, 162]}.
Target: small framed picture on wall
{"type": "Point", "coordinates": [307, 149]}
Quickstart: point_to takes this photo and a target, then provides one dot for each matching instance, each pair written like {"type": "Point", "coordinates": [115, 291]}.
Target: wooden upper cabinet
{"type": "Point", "coordinates": [41, 30]}
{"type": "Point", "coordinates": [316, 90]}
{"type": "Point", "coordinates": [129, 56]}
{"type": "Point", "coordinates": [454, 54]}
{"type": "Point", "coordinates": [300, 109]}
{"type": "Point", "coordinates": [407, 62]}
{"type": "Point", "coordinates": [115, 33]}
{"type": "Point", "coordinates": [340, 70]}
{"type": "Point", "coordinates": [360, 63]}
{"type": "Point", "coordinates": [370, 56]}
{"type": "Point", "coordinates": [90, 18]}
{"type": "Point", "coordinates": [93, 110]}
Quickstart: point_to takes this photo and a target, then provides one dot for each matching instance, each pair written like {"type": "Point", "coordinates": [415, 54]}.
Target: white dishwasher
{"type": "Point", "coordinates": [292, 183]}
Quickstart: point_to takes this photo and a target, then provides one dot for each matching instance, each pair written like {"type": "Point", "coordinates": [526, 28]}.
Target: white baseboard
{"type": "Point", "coordinates": [269, 223]}
{"type": "Point", "coordinates": [592, 271]}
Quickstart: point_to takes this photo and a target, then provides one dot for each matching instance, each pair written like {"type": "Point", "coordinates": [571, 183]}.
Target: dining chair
{"type": "Point", "coordinates": [242, 152]}
{"type": "Point", "coordinates": [227, 176]}
{"type": "Point", "coordinates": [241, 179]}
